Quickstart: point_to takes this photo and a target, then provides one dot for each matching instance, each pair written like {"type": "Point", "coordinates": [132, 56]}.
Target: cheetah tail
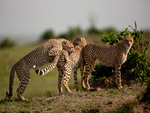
{"type": "Point", "coordinates": [11, 83]}
{"type": "Point", "coordinates": [48, 68]}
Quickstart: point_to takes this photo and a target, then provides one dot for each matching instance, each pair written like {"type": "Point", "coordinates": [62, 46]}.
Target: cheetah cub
{"type": "Point", "coordinates": [49, 52]}
{"type": "Point", "coordinates": [107, 55]}
{"type": "Point", "coordinates": [66, 63]}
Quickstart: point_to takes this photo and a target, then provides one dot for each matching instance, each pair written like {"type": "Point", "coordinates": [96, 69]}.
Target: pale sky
{"type": "Point", "coordinates": [32, 17]}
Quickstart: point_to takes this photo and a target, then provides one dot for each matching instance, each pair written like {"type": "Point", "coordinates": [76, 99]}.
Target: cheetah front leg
{"type": "Point", "coordinates": [75, 80]}
{"type": "Point", "coordinates": [118, 76]}
{"type": "Point", "coordinates": [59, 81]}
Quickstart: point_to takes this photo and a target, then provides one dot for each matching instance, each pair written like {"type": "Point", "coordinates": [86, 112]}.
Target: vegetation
{"type": "Point", "coordinates": [7, 43]}
{"type": "Point", "coordinates": [71, 33]}
{"type": "Point", "coordinates": [145, 96]}
{"type": "Point", "coordinates": [48, 34]}
{"type": "Point", "coordinates": [94, 30]}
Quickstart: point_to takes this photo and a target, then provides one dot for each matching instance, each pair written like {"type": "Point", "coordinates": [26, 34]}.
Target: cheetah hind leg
{"type": "Point", "coordinates": [82, 75]}
{"type": "Point", "coordinates": [90, 71]}
{"type": "Point", "coordinates": [22, 86]}
{"type": "Point", "coordinates": [89, 68]}
{"type": "Point", "coordinates": [85, 84]}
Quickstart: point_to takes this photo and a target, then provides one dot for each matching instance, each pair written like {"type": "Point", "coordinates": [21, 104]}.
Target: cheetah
{"type": "Point", "coordinates": [108, 55]}
{"type": "Point", "coordinates": [64, 67]}
{"type": "Point", "coordinates": [49, 52]}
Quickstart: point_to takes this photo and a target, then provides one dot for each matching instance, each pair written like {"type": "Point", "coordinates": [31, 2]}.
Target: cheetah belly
{"type": "Point", "coordinates": [124, 59]}
{"type": "Point", "coordinates": [107, 62]}
{"type": "Point", "coordinates": [107, 59]}
{"type": "Point", "coordinates": [36, 59]}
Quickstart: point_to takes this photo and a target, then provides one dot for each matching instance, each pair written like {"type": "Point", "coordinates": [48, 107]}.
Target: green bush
{"type": "Point", "coordinates": [145, 96]}
{"type": "Point", "coordinates": [96, 31]}
{"type": "Point", "coordinates": [7, 43]}
{"type": "Point", "coordinates": [71, 33]}
{"type": "Point", "coordinates": [137, 64]}
{"type": "Point", "coordinates": [93, 30]}
{"type": "Point", "coordinates": [48, 35]}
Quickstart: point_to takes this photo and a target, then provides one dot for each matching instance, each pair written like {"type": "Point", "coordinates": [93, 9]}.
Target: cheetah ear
{"type": "Point", "coordinates": [64, 42]}
{"type": "Point", "coordinates": [78, 38]}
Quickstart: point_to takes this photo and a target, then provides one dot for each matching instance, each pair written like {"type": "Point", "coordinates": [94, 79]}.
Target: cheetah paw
{"type": "Point", "coordinates": [120, 87]}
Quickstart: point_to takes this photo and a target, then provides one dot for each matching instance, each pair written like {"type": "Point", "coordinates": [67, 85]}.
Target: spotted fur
{"type": "Point", "coordinates": [66, 63]}
{"type": "Point", "coordinates": [47, 53]}
{"type": "Point", "coordinates": [114, 55]}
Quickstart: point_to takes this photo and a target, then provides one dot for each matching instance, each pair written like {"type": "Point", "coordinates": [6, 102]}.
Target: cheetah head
{"type": "Point", "coordinates": [79, 41]}
{"type": "Point", "coordinates": [128, 41]}
{"type": "Point", "coordinates": [68, 46]}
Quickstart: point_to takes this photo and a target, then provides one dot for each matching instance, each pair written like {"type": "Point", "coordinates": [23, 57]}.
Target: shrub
{"type": "Point", "coordinates": [93, 30]}
{"type": "Point", "coordinates": [48, 35]}
{"type": "Point", "coordinates": [145, 96]}
{"type": "Point", "coordinates": [71, 33]}
{"type": "Point", "coordinates": [96, 31]}
{"type": "Point", "coordinates": [137, 64]}
{"type": "Point", "coordinates": [7, 43]}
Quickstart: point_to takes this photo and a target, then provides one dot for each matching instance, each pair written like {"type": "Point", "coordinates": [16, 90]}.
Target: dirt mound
{"type": "Point", "coordinates": [109, 82]}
